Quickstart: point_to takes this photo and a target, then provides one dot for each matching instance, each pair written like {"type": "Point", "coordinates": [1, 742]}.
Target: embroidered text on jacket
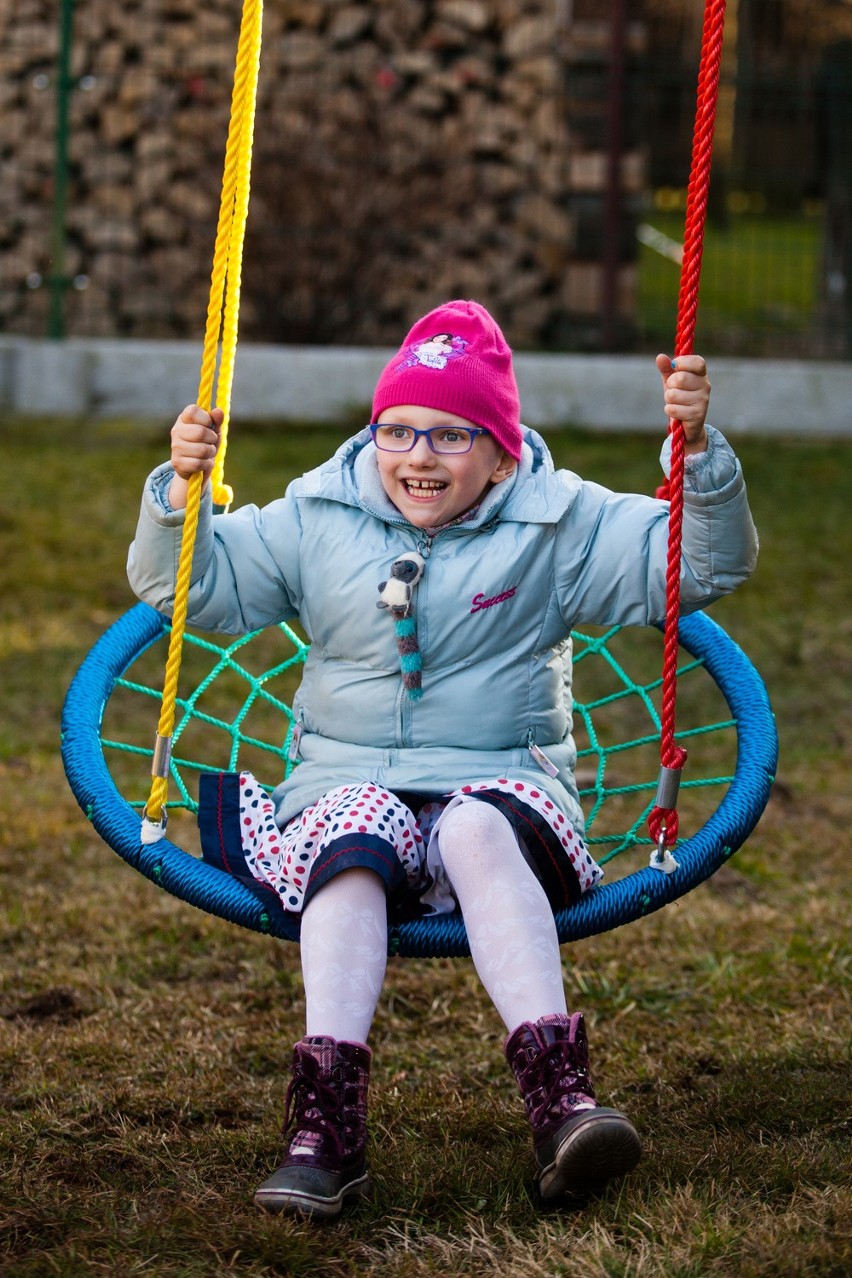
{"type": "Point", "coordinates": [479, 601]}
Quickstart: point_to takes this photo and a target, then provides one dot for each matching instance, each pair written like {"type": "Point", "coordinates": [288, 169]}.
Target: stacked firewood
{"type": "Point", "coordinates": [405, 151]}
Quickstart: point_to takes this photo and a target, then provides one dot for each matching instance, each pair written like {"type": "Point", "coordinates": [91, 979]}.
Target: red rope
{"type": "Point", "coordinates": [663, 821]}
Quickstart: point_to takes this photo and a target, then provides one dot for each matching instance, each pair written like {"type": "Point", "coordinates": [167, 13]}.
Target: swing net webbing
{"type": "Point", "coordinates": [238, 715]}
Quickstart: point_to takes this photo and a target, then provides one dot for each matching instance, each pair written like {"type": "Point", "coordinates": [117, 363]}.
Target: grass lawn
{"type": "Point", "coordinates": [144, 1045]}
{"type": "Point", "coordinates": [759, 285]}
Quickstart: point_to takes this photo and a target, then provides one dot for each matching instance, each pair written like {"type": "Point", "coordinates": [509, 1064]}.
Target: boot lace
{"type": "Point", "coordinates": [312, 1105]}
{"type": "Point", "coordinates": [557, 1081]}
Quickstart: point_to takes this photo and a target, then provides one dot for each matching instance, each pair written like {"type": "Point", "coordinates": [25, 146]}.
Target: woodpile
{"type": "Point", "coordinates": [405, 151]}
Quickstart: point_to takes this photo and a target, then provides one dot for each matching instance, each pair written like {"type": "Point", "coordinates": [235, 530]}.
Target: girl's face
{"type": "Point", "coordinates": [431, 489]}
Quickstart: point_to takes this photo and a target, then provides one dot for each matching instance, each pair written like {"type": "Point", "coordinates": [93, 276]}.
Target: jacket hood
{"type": "Point", "coordinates": [533, 493]}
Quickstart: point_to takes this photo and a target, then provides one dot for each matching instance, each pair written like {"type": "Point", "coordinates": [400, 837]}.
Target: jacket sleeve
{"type": "Point", "coordinates": [245, 568]}
{"type": "Point", "coordinates": [610, 558]}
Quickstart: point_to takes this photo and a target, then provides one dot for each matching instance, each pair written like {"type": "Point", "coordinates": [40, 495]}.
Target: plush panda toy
{"type": "Point", "coordinates": [396, 594]}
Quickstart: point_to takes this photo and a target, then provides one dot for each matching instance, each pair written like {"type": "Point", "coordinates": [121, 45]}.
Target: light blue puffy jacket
{"type": "Point", "coordinates": [499, 595]}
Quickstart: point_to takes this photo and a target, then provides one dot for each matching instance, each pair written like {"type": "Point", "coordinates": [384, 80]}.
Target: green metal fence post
{"type": "Point", "coordinates": [57, 282]}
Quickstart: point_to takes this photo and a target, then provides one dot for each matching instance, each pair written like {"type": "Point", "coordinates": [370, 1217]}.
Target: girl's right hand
{"type": "Point", "coordinates": [195, 440]}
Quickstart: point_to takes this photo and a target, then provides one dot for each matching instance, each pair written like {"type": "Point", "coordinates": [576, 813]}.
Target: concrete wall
{"type": "Point", "coordinates": [123, 378]}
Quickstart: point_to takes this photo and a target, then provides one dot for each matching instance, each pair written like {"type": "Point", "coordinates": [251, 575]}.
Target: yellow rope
{"type": "Point", "coordinates": [248, 63]}
{"type": "Point", "coordinates": [222, 317]}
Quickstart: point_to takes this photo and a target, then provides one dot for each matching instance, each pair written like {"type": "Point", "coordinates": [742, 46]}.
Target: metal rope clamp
{"type": "Point", "coordinates": [666, 798]}
{"type": "Point", "coordinates": [153, 831]}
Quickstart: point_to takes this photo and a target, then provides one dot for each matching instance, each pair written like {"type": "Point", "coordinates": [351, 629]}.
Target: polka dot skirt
{"type": "Point", "coordinates": [283, 859]}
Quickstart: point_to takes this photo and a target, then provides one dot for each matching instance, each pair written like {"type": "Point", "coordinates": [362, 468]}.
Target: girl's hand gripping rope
{"type": "Point", "coordinates": [686, 395]}
{"type": "Point", "coordinates": [195, 441]}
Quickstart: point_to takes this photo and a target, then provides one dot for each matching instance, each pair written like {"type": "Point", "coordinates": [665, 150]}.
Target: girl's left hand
{"type": "Point", "coordinates": [686, 395]}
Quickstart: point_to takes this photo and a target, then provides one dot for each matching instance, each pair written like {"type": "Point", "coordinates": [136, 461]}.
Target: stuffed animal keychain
{"type": "Point", "coordinates": [396, 596]}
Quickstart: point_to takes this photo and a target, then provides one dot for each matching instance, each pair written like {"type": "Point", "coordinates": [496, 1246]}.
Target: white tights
{"type": "Point", "coordinates": [344, 944]}
{"type": "Point", "coordinates": [510, 927]}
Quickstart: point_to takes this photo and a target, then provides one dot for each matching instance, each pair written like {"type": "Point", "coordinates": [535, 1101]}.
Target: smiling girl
{"type": "Point", "coordinates": [454, 789]}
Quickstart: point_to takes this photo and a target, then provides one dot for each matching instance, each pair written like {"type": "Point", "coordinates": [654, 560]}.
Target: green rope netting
{"type": "Point", "coordinates": [239, 716]}
{"type": "Point", "coordinates": [601, 766]}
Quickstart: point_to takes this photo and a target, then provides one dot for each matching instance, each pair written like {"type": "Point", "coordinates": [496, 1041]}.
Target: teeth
{"type": "Point", "coordinates": [427, 485]}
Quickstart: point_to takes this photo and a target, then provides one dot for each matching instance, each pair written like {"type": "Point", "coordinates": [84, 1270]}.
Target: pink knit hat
{"type": "Point", "coordinates": [456, 360]}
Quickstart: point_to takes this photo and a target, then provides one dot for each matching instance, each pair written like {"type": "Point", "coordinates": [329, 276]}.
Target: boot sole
{"type": "Point", "coordinates": [300, 1202]}
{"type": "Point", "coordinates": [599, 1147]}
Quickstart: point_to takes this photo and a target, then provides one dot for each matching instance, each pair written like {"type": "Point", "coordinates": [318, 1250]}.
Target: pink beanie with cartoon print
{"type": "Point", "coordinates": [456, 360]}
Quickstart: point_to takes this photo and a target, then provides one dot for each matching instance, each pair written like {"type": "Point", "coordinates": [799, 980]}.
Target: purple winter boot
{"type": "Point", "coordinates": [579, 1145]}
{"type": "Point", "coordinates": [327, 1107]}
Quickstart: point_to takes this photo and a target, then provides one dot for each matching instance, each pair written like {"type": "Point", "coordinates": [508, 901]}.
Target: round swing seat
{"type": "Point", "coordinates": [609, 905]}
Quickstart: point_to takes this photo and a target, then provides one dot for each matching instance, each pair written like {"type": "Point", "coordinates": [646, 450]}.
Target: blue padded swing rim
{"type": "Point", "coordinates": [440, 936]}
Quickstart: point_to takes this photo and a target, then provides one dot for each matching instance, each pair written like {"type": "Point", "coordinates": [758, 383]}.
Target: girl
{"type": "Point", "coordinates": [434, 730]}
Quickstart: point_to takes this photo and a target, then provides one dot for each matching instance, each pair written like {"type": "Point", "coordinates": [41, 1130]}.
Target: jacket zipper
{"type": "Point", "coordinates": [425, 543]}
{"type": "Point", "coordinates": [424, 548]}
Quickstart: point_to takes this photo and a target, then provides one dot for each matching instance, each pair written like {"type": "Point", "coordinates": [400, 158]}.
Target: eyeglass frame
{"type": "Point", "coordinates": [473, 431]}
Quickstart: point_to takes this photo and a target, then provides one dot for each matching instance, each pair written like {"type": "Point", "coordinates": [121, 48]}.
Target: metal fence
{"type": "Point", "coordinates": [777, 267]}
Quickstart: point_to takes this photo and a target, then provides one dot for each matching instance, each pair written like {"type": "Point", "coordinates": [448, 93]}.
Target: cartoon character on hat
{"type": "Point", "coordinates": [436, 352]}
